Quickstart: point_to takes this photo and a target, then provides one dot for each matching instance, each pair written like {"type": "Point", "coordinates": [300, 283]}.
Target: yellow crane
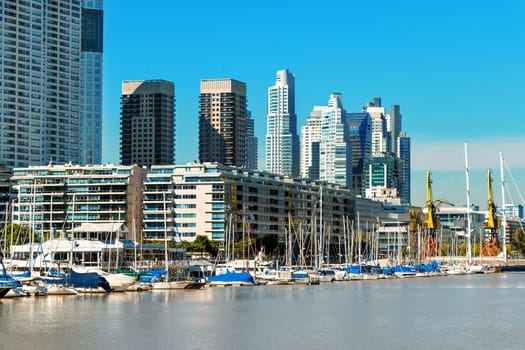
{"type": "Point", "coordinates": [492, 224]}
{"type": "Point", "coordinates": [432, 222]}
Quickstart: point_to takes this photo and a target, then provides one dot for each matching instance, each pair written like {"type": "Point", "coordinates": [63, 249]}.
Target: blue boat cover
{"type": "Point", "coordinates": [233, 277]}
{"type": "Point", "coordinates": [88, 280]}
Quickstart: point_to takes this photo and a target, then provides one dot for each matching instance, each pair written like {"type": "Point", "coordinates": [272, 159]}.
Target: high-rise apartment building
{"type": "Point", "coordinates": [92, 30]}
{"type": "Point", "coordinates": [43, 93]}
{"type": "Point", "coordinates": [222, 122]}
{"type": "Point", "coordinates": [335, 149]}
{"type": "Point", "coordinates": [282, 141]}
{"type": "Point", "coordinates": [147, 128]}
{"type": "Point", "coordinates": [310, 139]}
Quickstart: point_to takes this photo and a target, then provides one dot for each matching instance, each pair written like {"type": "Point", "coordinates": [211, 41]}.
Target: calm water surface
{"type": "Point", "coordinates": [455, 312]}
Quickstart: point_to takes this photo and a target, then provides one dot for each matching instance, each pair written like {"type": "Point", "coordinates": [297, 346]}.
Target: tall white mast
{"type": "Point", "coordinates": [469, 246]}
{"type": "Point", "coordinates": [504, 221]}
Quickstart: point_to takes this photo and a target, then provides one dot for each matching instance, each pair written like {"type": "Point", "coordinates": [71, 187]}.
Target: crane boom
{"type": "Point", "coordinates": [492, 224]}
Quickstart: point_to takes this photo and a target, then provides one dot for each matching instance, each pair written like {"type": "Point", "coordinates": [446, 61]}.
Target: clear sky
{"type": "Point", "coordinates": [456, 68]}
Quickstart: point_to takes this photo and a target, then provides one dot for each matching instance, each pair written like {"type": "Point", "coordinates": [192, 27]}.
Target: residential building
{"type": "Point", "coordinates": [222, 122]}
{"type": "Point", "coordinates": [282, 141]}
{"type": "Point", "coordinates": [335, 149]}
{"type": "Point", "coordinates": [91, 62]}
{"type": "Point", "coordinates": [45, 101]}
{"type": "Point", "coordinates": [218, 202]}
{"type": "Point", "coordinates": [58, 198]}
{"type": "Point", "coordinates": [147, 128]}
{"type": "Point", "coordinates": [310, 139]}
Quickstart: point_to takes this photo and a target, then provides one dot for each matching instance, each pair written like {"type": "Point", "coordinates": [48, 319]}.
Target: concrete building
{"type": "Point", "coordinates": [310, 139]}
{"type": "Point", "coordinates": [222, 122]}
{"type": "Point", "coordinates": [147, 128]}
{"type": "Point", "coordinates": [380, 144]}
{"type": "Point", "coordinates": [252, 143]}
{"type": "Point", "coordinates": [282, 141]}
{"type": "Point", "coordinates": [46, 111]}
{"type": "Point", "coordinates": [57, 198]}
{"type": "Point", "coordinates": [217, 201]}
{"type": "Point", "coordinates": [335, 149]}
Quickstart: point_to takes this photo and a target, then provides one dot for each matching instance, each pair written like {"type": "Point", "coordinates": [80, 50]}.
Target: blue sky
{"type": "Point", "coordinates": [456, 68]}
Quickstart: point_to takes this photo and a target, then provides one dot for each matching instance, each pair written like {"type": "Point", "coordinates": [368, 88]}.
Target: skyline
{"type": "Point", "coordinates": [454, 69]}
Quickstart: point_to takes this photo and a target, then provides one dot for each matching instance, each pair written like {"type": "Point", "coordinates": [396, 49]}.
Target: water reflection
{"type": "Point", "coordinates": [430, 313]}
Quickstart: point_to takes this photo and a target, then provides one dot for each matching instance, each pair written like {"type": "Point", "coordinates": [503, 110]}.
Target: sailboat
{"type": "Point", "coordinates": [162, 278]}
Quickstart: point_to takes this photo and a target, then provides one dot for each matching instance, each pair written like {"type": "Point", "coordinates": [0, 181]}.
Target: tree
{"type": "Point", "coordinates": [518, 241]}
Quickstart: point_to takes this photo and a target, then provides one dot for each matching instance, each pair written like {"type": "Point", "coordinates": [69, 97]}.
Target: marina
{"type": "Point", "coordinates": [478, 311]}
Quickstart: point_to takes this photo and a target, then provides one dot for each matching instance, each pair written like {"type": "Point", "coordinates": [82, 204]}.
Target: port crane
{"type": "Point", "coordinates": [432, 222]}
{"type": "Point", "coordinates": [492, 224]}
{"type": "Point", "coordinates": [428, 222]}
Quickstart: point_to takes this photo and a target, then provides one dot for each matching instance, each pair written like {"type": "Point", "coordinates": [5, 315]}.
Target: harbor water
{"type": "Point", "coordinates": [454, 312]}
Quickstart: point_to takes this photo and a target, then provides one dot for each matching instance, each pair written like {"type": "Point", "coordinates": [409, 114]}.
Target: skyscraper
{"type": "Point", "coordinates": [91, 82]}
{"type": "Point", "coordinates": [380, 144]}
{"type": "Point", "coordinates": [394, 127]}
{"type": "Point", "coordinates": [282, 141]}
{"type": "Point", "coordinates": [40, 98]}
{"type": "Point", "coordinates": [310, 139]}
{"type": "Point", "coordinates": [403, 152]}
{"type": "Point", "coordinates": [147, 128]}
{"type": "Point", "coordinates": [335, 149]}
{"type": "Point", "coordinates": [252, 143]}
{"type": "Point", "coordinates": [222, 122]}
{"type": "Point", "coordinates": [360, 126]}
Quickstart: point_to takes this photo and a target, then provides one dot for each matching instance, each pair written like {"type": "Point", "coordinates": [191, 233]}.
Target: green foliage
{"type": "Point", "coordinates": [518, 241]}
{"type": "Point", "coordinates": [15, 234]}
{"type": "Point", "coordinates": [202, 244]}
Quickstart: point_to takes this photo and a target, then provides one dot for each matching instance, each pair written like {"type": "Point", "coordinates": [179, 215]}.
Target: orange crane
{"type": "Point", "coordinates": [492, 224]}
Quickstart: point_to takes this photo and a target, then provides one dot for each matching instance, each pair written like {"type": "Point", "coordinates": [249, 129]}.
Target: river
{"type": "Point", "coordinates": [454, 312]}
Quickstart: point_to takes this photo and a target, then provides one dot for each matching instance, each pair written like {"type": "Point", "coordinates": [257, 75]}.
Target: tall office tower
{"type": "Point", "coordinates": [394, 128]}
{"type": "Point", "coordinates": [282, 141]}
{"type": "Point", "coordinates": [310, 139]}
{"type": "Point", "coordinates": [360, 125]}
{"type": "Point", "coordinates": [382, 178]}
{"type": "Point", "coordinates": [147, 123]}
{"type": "Point", "coordinates": [252, 145]}
{"type": "Point", "coordinates": [222, 122]}
{"type": "Point", "coordinates": [403, 152]}
{"type": "Point", "coordinates": [91, 82]}
{"type": "Point", "coordinates": [380, 144]}
{"type": "Point", "coordinates": [40, 104]}
{"type": "Point", "coordinates": [335, 149]}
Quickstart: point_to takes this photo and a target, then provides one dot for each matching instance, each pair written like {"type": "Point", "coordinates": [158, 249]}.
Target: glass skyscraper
{"type": "Point", "coordinates": [91, 82]}
{"type": "Point", "coordinates": [282, 141]}
{"type": "Point", "coordinates": [43, 90]}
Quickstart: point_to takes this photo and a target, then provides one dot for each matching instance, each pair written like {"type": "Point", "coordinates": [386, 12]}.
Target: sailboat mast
{"type": "Point", "coordinates": [469, 246]}
{"type": "Point", "coordinates": [504, 221]}
{"type": "Point", "coordinates": [165, 235]}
